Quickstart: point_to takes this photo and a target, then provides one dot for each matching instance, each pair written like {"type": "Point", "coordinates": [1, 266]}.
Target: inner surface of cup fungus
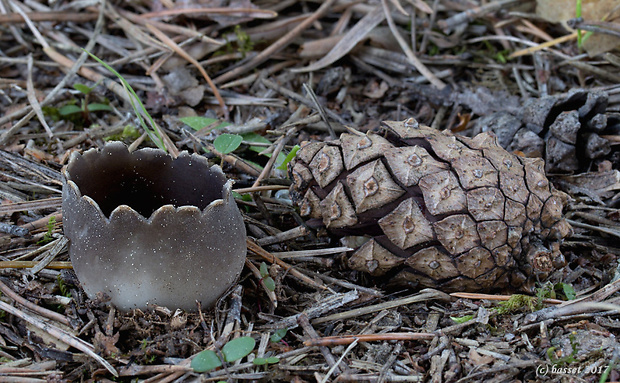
{"type": "Point", "coordinates": [149, 229]}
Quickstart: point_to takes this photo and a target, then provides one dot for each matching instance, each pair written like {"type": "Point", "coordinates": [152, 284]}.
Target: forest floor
{"type": "Point", "coordinates": [277, 73]}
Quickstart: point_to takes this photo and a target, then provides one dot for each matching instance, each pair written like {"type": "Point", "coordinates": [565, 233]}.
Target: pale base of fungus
{"type": "Point", "coordinates": [149, 230]}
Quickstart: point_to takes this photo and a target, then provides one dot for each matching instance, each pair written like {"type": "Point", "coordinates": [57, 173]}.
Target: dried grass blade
{"type": "Point", "coordinates": [60, 334]}
{"type": "Point", "coordinates": [55, 265]}
{"type": "Point", "coordinates": [276, 47]}
{"type": "Point", "coordinates": [139, 19]}
{"type": "Point", "coordinates": [158, 136]}
{"type": "Point", "coordinates": [33, 29]}
{"type": "Point", "coordinates": [32, 98]}
{"type": "Point", "coordinates": [56, 17]}
{"type": "Point", "coordinates": [59, 245]}
{"type": "Point", "coordinates": [348, 41]}
{"type": "Point", "coordinates": [256, 249]}
{"type": "Point", "coordinates": [424, 71]}
{"type": "Point", "coordinates": [270, 294]}
{"type": "Point", "coordinates": [348, 339]}
{"type": "Point", "coordinates": [240, 12]}
{"type": "Point", "coordinates": [170, 43]}
{"type": "Point", "coordinates": [399, 7]}
{"type": "Point", "coordinates": [132, 30]}
{"type": "Point", "coordinates": [544, 45]}
{"type": "Point", "coordinates": [6, 290]}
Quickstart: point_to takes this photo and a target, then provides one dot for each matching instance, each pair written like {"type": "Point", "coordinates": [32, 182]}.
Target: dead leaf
{"type": "Point", "coordinates": [106, 345]}
{"type": "Point", "coordinates": [596, 185]}
{"type": "Point", "coordinates": [348, 41]}
{"type": "Point", "coordinates": [479, 360]}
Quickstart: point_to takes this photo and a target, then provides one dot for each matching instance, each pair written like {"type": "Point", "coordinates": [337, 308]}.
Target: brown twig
{"type": "Point", "coordinates": [430, 76]}
{"type": "Point", "coordinates": [32, 307]}
{"type": "Point", "coordinates": [277, 46]}
{"type": "Point", "coordinates": [348, 339]}
{"type": "Point", "coordinates": [56, 265]}
{"type": "Point", "coordinates": [57, 17]}
{"type": "Point", "coordinates": [59, 334]}
{"type": "Point", "coordinates": [239, 12]}
{"type": "Point", "coordinates": [304, 322]}
{"type": "Point", "coordinates": [500, 297]}
{"type": "Point", "coordinates": [270, 294]}
{"type": "Point", "coordinates": [256, 249]}
{"type": "Point", "coordinates": [176, 48]}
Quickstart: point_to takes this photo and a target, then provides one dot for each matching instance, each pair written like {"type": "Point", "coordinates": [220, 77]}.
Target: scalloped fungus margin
{"type": "Point", "coordinates": [148, 229]}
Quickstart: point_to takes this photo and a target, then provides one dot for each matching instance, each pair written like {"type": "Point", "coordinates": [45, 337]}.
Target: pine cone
{"type": "Point", "coordinates": [442, 211]}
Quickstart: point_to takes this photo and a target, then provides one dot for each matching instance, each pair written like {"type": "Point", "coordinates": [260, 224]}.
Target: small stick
{"type": "Point", "coordinates": [348, 339]}
{"type": "Point", "coordinates": [57, 17]}
{"type": "Point", "coordinates": [59, 245]}
{"type": "Point", "coordinates": [232, 159]}
{"type": "Point", "coordinates": [256, 249]}
{"type": "Point", "coordinates": [304, 322]}
{"type": "Point", "coordinates": [57, 265]}
{"type": "Point", "coordinates": [544, 45]}
{"type": "Point", "coordinates": [257, 274]}
{"type": "Point", "coordinates": [277, 46]}
{"type": "Point", "coordinates": [424, 295]}
{"type": "Point", "coordinates": [32, 98]}
{"type": "Point", "coordinates": [261, 188]}
{"type": "Point", "coordinates": [31, 306]}
{"type": "Point", "coordinates": [41, 222]}
{"type": "Point", "coordinates": [430, 76]}
{"type": "Point", "coordinates": [282, 140]}
{"type": "Point", "coordinates": [178, 50]}
{"type": "Point", "coordinates": [59, 334]}
{"type": "Point", "coordinates": [231, 12]}
{"type": "Point", "coordinates": [296, 232]}
{"type": "Point", "coordinates": [320, 109]}
{"type": "Point", "coordinates": [500, 297]}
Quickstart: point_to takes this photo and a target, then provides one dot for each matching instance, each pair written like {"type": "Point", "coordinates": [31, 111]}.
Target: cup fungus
{"type": "Point", "coordinates": [149, 229]}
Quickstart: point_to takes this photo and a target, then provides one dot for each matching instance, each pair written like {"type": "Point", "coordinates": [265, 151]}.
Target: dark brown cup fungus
{"type": "Point", "coordinates": [148, 229]}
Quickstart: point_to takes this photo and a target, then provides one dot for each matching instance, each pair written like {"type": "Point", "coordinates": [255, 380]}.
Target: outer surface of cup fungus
{"type": "Point", "coordinates": [148, 229]}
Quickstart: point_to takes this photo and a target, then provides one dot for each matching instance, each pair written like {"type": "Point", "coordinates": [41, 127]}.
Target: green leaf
{"type": "Point", "coordinates": [289, 157]}
{"type": "Point", "coordinates": [69, 109]}
{"type": "Point", "coordinates": [257, 138]}
{"type": "Point", "coordinates": [85, 89]}
{"type": "Point", "coordinates": [236, 195]}
{"type": "Point", "coordinates": [259, 361]}
{"type": "Point", "coordinates": [264, 271]}
{"type": "Point", "coordinates": [205, 360]}
{"type": "Point", "coordinates": [96, 107]}
{"type": "Point", "coordinates": [462, 319]}
{"type": "Point", "coordinates": [51, 112]}
{"type": "Point", "coordinates": [197, 122]}
{"type": "Point", "coordinates": [130, 132]}
{"type": "Point", "coordinates": [263, 361]}
{"type": "Point", "coordinates": [244, 197]}
{"type": "Point", "coordinates": [568, 290]}
{"type": "Point", "coordinates": [278, 335]}
{"type": "Point", "coordinates": [136, 104]}
{"type": "Point", "coordinates": [226, 143]}
{"type": "Point", "coordinates": [238, 348]}
{"type": "Point", "coordinates": [269, 283]}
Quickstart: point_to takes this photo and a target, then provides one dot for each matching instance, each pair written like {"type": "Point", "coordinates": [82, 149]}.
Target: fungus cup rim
{"type": "Point", "coordinates": [122, 209]}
